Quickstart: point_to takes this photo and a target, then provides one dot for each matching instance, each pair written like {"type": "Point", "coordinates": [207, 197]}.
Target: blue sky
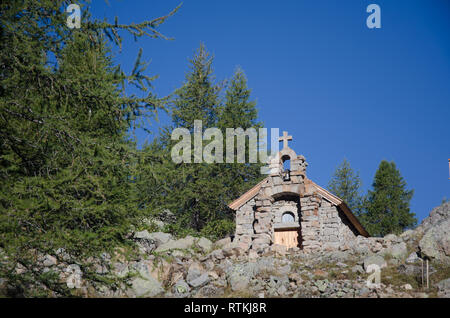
{"type": "Point", "coordinates": [315, 69]}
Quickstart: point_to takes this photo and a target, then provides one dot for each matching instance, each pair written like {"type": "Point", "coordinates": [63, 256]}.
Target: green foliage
{"type": "Point", "coordinates": [346, 184]}
{"type": "Point", "coordinates": [198, 193]}
{"type": "Point", "coordinates": [218, 229]}
{"type": "Point", "coordinates": [387, 205]}
{"type": "Point", "coordinates": [198, 98]}
{"type": "Point", "coordinates": [65, 165]}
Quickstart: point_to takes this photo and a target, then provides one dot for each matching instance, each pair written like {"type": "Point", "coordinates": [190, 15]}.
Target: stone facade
{"type": "Point", "coordinates": [288, 200]}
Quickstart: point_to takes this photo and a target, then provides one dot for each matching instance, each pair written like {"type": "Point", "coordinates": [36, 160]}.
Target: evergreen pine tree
{"type": "Point", "coordinates": [239, 111]}
{"type": "Point", "coordinates": [346, 184]}
{"type": "Point", "coordinates": [198, 98]}
{"type": "Point", "coordinates": [387, 206]}
{"type": "Point", "coordinates": [198, 193]}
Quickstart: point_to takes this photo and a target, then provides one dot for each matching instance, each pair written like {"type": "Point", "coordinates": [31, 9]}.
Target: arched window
{"type": "Point", "coordinates": [286, 162]}
{"type": "Point", "coordinates": [288, 217]}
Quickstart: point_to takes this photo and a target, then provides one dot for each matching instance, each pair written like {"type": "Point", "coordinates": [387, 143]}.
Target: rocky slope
{"type": "Point", "coordinates": [197, 267]}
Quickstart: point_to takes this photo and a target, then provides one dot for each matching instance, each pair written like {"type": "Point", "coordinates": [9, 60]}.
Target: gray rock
{"type": "Point", "coordinates": [397, 251]}
{"type": "Point", "coordinates": [74, 279]}
{"type": "Point", "coordinates": [142, 235]}
{"type": "Point", "coordinates": [414, 270]}
{"type": "Point", "coordinates": [144, 285]}
{"type": "Point", "coordinates": [392, 238]}
{"type": "Point", "coordinates": [338, 256]}
{"type": "Point", "coordinates": [357, 269]}
{"type": "Point", "coordinates": [200, 281]}
{"type": "Point", "coordinates": [184, 243]}
{"type": "Point", "coordinates": [160, 237]}
{"type": "Point", "coordinates": [407, 287]}
{"type": "Point", "coordinates": [204, 244]}
{"type": "Point", "coordinates": [321, 285]}
{"type": "Point", "coordinates": [408, 234]}
{"type": "Point", "coordinates": [49, 261]}
{"type": "Point", "coordinates": [437, 215]}
{"type": "Point", "coordinates": [120, 269]}
{"type": "Point", "coordinates": [193, 273]}
{"type": "Point", "coordinates": [209, 291]}
{"type": "Point", "coordinates": [435, 244]}
{"type": "Point", "coordinates": [374, 259]}
{"type": "Point", "coordinates": [239, 276]}
{"type": "Point", "coordinates": [217, 255]}
{"type": "Point", "coordinates": [444, 288]}
{"type": "Point", "coordinates": [412, 258]}
{"type": "Point", "coordinates": [62, 254]}
{"type": "Point", "coordinates": [363, 291]}
{"type": "Point", "coordinates": [166, 216]}
{"type": "Point", "coordinates": [181, 289]}
{"type": "Point", "coordinates": [145, 242]}
{"type": "Point", "coordinates": [223, 242]}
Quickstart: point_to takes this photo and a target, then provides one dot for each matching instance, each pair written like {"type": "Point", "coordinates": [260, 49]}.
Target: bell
{"type": "Point", "coordinates": [286, 175]}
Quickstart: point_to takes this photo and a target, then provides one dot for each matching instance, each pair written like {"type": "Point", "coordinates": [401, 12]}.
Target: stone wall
{"type": "Point", "coordinates": [245, 217]}
{"type": "Point", "coordinates": [322, 225]}
{"type": "Point", "coordinates": [334, 226]}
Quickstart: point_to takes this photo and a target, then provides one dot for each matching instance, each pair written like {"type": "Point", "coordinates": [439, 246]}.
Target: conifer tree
{"type": "Point", "coordinates": [198, 98]}
{"type": "Point", "coordinates": [387, 206]}
{"type": "Point", "coordinates": [198, 193]}
{"type": "Point", "coordinates": [65, 164]}
{"type": "Point", "coordinates": [346, 184]}
{"type": "Point", "coordinates": [239, 111]}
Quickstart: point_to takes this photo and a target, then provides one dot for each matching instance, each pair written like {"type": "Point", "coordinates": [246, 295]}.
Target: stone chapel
{"type": "Point", "coordinates": [289, 209]}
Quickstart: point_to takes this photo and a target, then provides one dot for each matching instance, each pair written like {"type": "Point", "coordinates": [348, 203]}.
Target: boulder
{"type": "Point", "coordinates": [338, 256]}
{"type": "Point", "coordinates": [145, 242]}
{"type": "Point", "coordinates": [144, 284]}
{"type": "Point", "coordinates": [195, 270]}
{"type": "Point", "coordinates": [412, 258]}
{"type": "Point", "coordinates": [435, 244]}
{"type": "Point", "coordinates": [204, 244]}
{"type": "Point", "coordinates": [74, 278]}
{"type": "Point", "coordinates": [437, 215]}
{"type": "Point", "coordinates": [392, 238]}
{"type": "Point", "coordinates": [357, 269]}
{"type": "Point", "coordinates": [444, 288]}
{"type": "Point", "coordinates": [184, 243]}
{"type": "Point", "coordinates": [239, 276]}
{"type": "Point", "coordinates": [397, 251]}
{"type": "Point", "coordinates": [49, 261]}
{"type": "Point", "coordinates": [407, 287]}
{"type": "Point", "coordinates": [223, 242]}
{"type": "Point", "coordinates": [374, 259]}
{"type": "Point", "coordinates": [217, 255]}
{"type": "Point", "coordinates": [120, 269]}
{"type": "Point", "coordinates": [142, 235]}
{"type": "Point", "coordinates": [181, 289]}
{"type": "Point", "coordinates": [199, 281]}
{"type": "Point", "coordinates": [160, 237]}
{"type": "Point", "coordinates": [279, 249]}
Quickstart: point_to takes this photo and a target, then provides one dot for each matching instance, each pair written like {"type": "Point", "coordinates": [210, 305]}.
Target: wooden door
{"type": "Point", "coordinates": [288, 237]}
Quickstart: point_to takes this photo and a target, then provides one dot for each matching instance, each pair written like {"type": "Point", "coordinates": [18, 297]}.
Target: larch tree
{"type": "Point", "coordinates": [346, 184]}
{"type": "Point", "coordinates": [66, 166]}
